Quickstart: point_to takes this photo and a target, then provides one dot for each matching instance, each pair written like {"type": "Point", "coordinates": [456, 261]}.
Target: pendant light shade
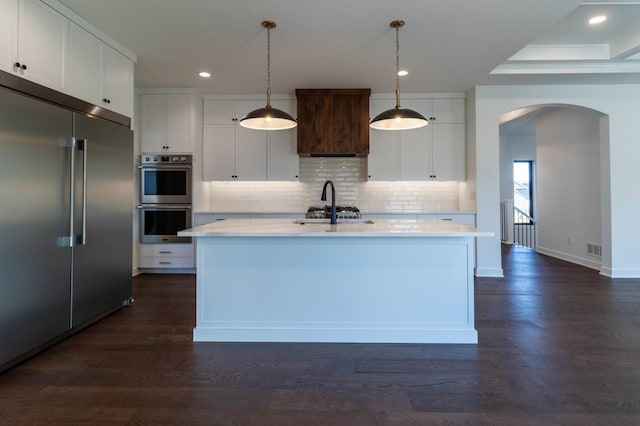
{"type": "Point", "coordinates": [398, 118]}
{"type": "Point", "coordinates": [268, 118]}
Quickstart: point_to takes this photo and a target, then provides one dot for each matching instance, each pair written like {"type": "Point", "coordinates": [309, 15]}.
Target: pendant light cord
{"type": "Point", "coordinates": [268, 25]}
{"type": "Point", "coordinates": [268, 67]}
{"type": "Point", "coordinates": [397, 26]}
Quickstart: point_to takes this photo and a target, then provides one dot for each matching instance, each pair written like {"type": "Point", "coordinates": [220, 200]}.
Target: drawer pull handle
{"type": "Point", "coordinates": [164, 263]}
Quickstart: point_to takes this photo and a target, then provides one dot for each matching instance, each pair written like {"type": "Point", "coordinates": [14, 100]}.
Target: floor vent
{"type": "Point", "coordinates": [594, 249]}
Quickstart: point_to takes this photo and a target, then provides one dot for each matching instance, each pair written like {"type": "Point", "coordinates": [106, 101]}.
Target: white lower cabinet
{"type": "Point", "coordinates": [166, 256]}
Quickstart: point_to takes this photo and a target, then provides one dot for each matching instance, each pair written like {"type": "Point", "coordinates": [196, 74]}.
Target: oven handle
{"type": "Point", "coordinates": [165, 167]}
{"type": "Point", "coordinates": [164, 206]}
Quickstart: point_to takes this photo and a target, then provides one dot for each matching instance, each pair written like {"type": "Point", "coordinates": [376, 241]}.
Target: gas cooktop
{"type": "Point", "coordinates": [342, 212]}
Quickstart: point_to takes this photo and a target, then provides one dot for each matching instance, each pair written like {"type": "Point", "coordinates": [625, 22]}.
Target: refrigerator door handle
{"type": "Point", "coordinates": [68, 240]}
{"type": "Point", "coordinates": [82, 146]}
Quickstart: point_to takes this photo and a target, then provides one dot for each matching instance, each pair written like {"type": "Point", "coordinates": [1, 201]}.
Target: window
{"type": "Point", "coordinates": [523, 189]}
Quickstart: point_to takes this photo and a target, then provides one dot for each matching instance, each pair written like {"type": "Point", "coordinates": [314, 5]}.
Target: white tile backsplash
{"type": "Point", "coordinates": [349, 175]}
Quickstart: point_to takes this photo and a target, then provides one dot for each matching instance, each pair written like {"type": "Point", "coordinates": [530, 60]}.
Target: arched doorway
{"type": "Point", "coordinates": [562, 145]}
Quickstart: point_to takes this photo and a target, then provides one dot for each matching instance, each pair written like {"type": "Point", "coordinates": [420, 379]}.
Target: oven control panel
{"type": "Point", "coordinates": [166, 159]}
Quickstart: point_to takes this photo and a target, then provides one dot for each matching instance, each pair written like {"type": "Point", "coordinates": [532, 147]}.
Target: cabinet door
{"type": "Point", "coordinates": [382, 162]}
{"type": "Point", "coordinates": [180, 122]}
{"type": "Point", "coordinates": [415, 158]}
{"type": "Point", "coordinates": [219, 153]}
{"type": "Point", "coordinates": [282, 156]}
{"type": "Point", "coordinates": [219, 112]}
{"type": "Point", "coordinates": [251, 154]}
{"type": "Point", "coordinates": [117, 92]}
{"type": "Point", "coordinates": [415, 154]}
{"type": "Point", "coordinates": [8, 34]}
{"type": "Point", "coordinates": [42, 36]}
{"type": "Point", "coordinates": [84, 65]}
{"type": "Point", "coordinates": [448, 152]}
{"type": "Point", "coordinates": [448, 111]}
{"type": "Point", "coordinates": [153, 123]}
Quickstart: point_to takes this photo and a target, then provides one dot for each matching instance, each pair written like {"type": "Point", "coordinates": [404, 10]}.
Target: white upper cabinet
{"type": "Point", "coordinates": [383, 161]}
{"type": "Point", "coordinates": [168, 122]}
{"type": "Point", "coordinates": [84, 66]}
{"type": "Point", "coordinates": [228, 155]}
{"type": "Point", "coordinates": [447, 111]}
{"type": "Point", "coordinates": [251, 154]}
{"type": "Point", "coordinates": [219, 153]}
{"type": "Point", "coordinates": [232, 152]}
{"type": "Point", "coordinates": [117, 82]}
{"type": "Point", "coordinates": [282, 147]}
{"type": "Point", "coordinates": [33, 45]}
{"type": "Point", "coordinates": [220, 112]}
{"type": "Point", "coordinates": [433, 152]}
{"type": "Point", "coordinates": [8, 34]}
{"type": "Point", "coordinates": [98, 74]}
{"type": "Point", "coordinates": [40, 44]}
{"type": "Point", "coordinates": [448, 160]}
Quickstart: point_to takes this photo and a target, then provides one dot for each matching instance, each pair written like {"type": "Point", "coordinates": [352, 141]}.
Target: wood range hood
{"type": "Point", "coordinates": [333, 122]}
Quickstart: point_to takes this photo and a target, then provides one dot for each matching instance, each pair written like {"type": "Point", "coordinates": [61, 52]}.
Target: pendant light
{"type": "Point", "coordinates": [268, 118]}
{"type": "Point", "coordinates": [398, 118]}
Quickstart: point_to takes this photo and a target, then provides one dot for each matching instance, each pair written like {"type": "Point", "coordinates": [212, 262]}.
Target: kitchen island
{"type": "Point", "coordinates": [281, 280]}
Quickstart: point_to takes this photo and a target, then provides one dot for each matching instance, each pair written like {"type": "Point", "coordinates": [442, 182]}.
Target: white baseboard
{"type": "Point", "coordinates": [589, 263]}
{"type": "Point", "coordinates": [489, 272]}
{"type": "Point", "coordinates": [620, 272]}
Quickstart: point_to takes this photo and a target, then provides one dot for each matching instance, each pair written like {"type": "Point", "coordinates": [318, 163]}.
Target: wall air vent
{"type": "Point", "coordinates": [594, 249]}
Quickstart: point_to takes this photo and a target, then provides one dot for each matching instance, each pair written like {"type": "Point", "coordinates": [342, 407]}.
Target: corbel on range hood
{"type": "Point", "coordinates": [333, 122]}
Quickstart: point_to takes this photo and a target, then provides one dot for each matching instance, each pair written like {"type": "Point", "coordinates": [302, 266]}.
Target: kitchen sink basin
{"type": "Point", "coordinates": [328, 221]}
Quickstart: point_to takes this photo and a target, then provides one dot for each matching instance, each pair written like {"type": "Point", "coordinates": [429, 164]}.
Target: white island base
{"type": "Point", "coordinates": [346, 287]}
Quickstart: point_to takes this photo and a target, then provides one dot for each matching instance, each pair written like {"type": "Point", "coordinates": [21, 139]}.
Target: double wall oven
{"type": "Point", "coordinates": [165, 197]}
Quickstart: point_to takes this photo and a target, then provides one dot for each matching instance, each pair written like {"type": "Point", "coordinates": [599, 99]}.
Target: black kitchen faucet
{"type": "Point", "coordinates": [334, 221]}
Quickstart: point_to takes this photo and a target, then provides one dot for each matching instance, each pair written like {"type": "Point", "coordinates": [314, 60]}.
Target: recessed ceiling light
{"type": "Point", "coordinates": [402, 73]}
{"type": "Point", "coordinates": [597, 19]}
{"type": "Point", "coordinates": [204, 74]}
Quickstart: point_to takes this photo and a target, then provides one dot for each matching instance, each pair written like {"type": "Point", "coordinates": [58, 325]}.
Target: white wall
{"type": "Point", "coordinates": [483, 178]}
{"type": "Point", "coordinates": [568, 182]}
{"type": "Point", "coordinates": [622, 149]}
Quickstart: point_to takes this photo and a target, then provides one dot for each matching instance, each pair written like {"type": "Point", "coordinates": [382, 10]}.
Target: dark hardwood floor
{"type": "Point", "coordinates": [559, 345]}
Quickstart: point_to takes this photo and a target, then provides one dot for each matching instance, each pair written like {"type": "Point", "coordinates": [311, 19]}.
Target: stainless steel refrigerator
{"type": "Point", "coordinates": [66, 214]}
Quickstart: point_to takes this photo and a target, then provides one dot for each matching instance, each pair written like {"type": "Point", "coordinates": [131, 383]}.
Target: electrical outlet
{"type": "Point", "coordinates": [570, 240]}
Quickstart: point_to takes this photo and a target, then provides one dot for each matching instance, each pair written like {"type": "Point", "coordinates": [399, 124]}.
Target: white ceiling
{"type": "Point", "coordinates": [446, 45]}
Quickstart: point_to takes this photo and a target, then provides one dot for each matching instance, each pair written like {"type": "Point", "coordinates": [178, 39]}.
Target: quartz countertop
{"type": "Point", "coordinates": [364, 212]}
{"type": "Point", "coordinates": [344, 228]}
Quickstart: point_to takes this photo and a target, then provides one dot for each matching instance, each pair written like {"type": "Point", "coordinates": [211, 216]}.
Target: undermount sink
{"type": "Point", "coordinates": [328, 221]}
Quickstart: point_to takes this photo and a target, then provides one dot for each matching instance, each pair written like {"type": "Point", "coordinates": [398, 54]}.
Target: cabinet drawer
{"type": "Point", "coordinates": [463, 219]}
{"type": "Point", "coordinates": [166, 262]}
{"type": "Point", "coordinates": [166, 250]}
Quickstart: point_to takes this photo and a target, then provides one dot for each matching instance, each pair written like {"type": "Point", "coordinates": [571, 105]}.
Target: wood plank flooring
{"type": "Point", "coordinates": [559, 345]}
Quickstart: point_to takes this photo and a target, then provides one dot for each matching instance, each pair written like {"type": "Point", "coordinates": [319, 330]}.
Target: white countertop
{"type": "Point", "coordinates": [364, 212]}
{"type": "Point", "coordinates": [322, 228]}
